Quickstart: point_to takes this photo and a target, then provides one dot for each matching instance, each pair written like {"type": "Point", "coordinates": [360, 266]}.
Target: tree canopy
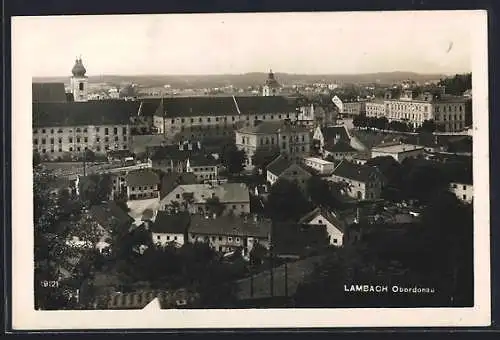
{"type": "Point", "coordinates": [286, 201]}
{"type": "Point", "coordinates": [233, 159]}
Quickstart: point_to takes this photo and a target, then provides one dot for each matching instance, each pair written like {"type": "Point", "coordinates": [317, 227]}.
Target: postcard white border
{"type": "Point", "coordinates": [24, 317]}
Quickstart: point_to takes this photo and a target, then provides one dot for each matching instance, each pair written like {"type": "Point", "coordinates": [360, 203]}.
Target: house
{"type": "Point", "coordinates": [234, 198]}
{"type": "Point", "coordinates": [282, 137]}
{"type": "Point", "coordinates": [334, 227]}
{"type": "Point", "coordinates": [361, 158]}
{"type": "Point", "coordinates": [284, 168]}
{"type": "Point", "coordinates": [330, 135]}
{"type": "Point", "coordinates": [174, 157]}
{"type": "Point", "coordinates": [398, 151]}
{"type": "Point", "coordinates": [463, 191]}
{"type": "Point", "coordinates": [170, 229]}
{"type": "Point", "coordinates": [362, 182]}
{"type": "Point", "coordinates": [171, 180]}
{"type": "Point", "coordinates": [206, 169]}
{"type": "Point", "coordinates": [230, 233]}
{"type": "Point", "coordinates": [109, 215]}
{"type": "Point", "coordinates": [339, 150]}
{"type": "Point", "coordinates": [142, 184]}
{"type": "Point", "coordinates": [322, 166]}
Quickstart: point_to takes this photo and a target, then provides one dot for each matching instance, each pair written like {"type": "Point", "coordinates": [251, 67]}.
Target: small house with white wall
{"type": "Point", "coordinates": [323, 167]}
{"type": "Point", "coordinates": [170, 229]}
{"type": "Point", "coordinates": [335, 228]}
{"type": "Point", "coordinates": [398, 151]}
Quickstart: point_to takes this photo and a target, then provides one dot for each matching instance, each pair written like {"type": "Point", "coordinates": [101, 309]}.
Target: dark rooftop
{"type": "Point", "coordinates": [340, 146]}
{"type": "Point", "coordinates": [279, 164]}
{"type": "Point", "coordinates": [174, 224]}
{"type": "Point", "coordinates": [171, 180]}
{"type": "Point", "coordinates": [108, 213]}
{"type": "Point", "coordinates": [48, 93]}
{"type": "Point", "coordinates": [231, 226]}
{"type": "Point", "coordinates": [357, 172]}
{"type": "Point", "coordinates": [142, 177]}
{"type": "Point", "coordinates": [84, 113]}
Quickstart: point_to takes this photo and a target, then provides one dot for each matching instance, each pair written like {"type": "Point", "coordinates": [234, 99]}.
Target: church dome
{"type": "Point", "coordinates": [78, 69]}
{"type": "Point", "coordinates": [271, 81]}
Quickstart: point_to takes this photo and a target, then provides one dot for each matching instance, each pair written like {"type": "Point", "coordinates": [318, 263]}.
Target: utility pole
{"type": "Point", "coordinates": [271, 263]}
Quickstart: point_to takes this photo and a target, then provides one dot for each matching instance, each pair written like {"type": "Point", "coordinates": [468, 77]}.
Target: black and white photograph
{"type": "Point", "coordinates": [250, 170]}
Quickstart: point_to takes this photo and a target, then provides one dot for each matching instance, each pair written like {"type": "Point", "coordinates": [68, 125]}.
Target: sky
{"type": "Point", "coordinates": [301, 43]}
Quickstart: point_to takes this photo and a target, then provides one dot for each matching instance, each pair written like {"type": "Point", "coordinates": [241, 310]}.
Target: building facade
{"type": "Point", "coordinates": [399, 151]}
{"type": "Point", "coordinates": [361, 182]}
{"type": "Point", "coordinates": [289, 139]}
{"type": "Point", "coordinates": [463, 191]}
{"type": "Point", "coordinates": [322, 166]}
{"type": "Point", "coordinates": [79, 82]}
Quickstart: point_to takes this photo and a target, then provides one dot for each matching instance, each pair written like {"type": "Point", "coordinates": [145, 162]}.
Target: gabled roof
{"type": "Point", "coordinates": [202, 160]}
{"type": "Point", "coordinates": [48, 93]}
{"type": "Point", "coordinates": [108, 213]}
{"type": "Point", "coordinates": [172, 224]}
{"type": "Point", "coordinates": [230, 226]}
{"type": "Point", "coordinates": [172, 152]}
{"type": "Point", "coordinates": [171, 180]}
{"type": "Point", "coordinates": [329, 216]}
{"type": "Point", "coordinates": [331, 132]}
{"type": "Point", "coordinates": [357, 172]}
{"type": "Point", "coordinates": [227, 192]}
{"type": "Point", "coordinates": [84, 113]}
{"type": "Point", "coordinates": [340, 146]}
{"type": "Point", "coordinates": [279, 165]}
{"type": "Point", "coordinates": [142, 177]}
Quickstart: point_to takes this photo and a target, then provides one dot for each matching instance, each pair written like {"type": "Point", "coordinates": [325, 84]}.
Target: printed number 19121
{"type": "Point", "coordinates": [49, 284]}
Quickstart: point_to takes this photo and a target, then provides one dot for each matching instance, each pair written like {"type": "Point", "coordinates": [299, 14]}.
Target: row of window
{"type": "Point", "coordinates": [151, 187]}
{"type": "Point", "coordinates": [79, 149]}
{"type": "Point", "coordinates": [196, 169]}
{"type": "Point", "coordinates": [225, 119]}
{"type": "Point", "coordinates": [168, 238]}
{"type": "Point", "coordinates": [213, 238]}
{"type": "Point", "coordinates": [84, 130]}
{"type": "Point", "coordinates": [407, 107]}
{"type": "Point", "coordinates": [450, 108]}
{"type": "Point", "coordinates": [455, 186]}
{"type": "Point", "coordinates": [450, 117]}
{"type": "Point", "coordinates": [78, 140]}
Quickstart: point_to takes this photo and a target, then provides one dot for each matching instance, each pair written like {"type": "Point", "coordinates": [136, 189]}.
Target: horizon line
{"type": "Point", "coordinates": [258, 72]}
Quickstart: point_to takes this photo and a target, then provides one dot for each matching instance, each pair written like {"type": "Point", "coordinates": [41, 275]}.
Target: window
{"type": "Point", "coordinates": [464, 197]}
{"type": "Point", "coordinates": [175, 238]}
{"type": "Point", "coordinates": [70, 149]}
{"type": "Point", "coordinates": [35, 131]}
{"type": "Point", "coordinates": [106, 147]}
{"type": "Point", "coordinates": [78, 139]}
{"type": "Point", "coordinates": [97, 129]}
{"type": "Point", "coordinates": [85, 130]}
{"type": "Point", "coordinates": [220, 238]}
{"type": "Point", "coordinates": [98, 139]}
{"type": "Point", "coordinates": [98, 148]}
{"type": "Point", "coordinates": [237, 240]}
{"type": "Point", "coordinates": [52, 141]}
{"type": "Point", "coordinates": [52, 131]}
{"type": "Point", "coordinates": [200, 120]}
{"type": "Point", "coordinates": [43, 130]}
{"type": "Point", "coordinates": [216, 119]}
{"type": "Point", "coordinates": [158, 237]}
{"type": "Point", "coordinates": [85, 139]}
{"type": "Point", "coordinates": [80, 86]}
{"type": "Point", "coordinates": [44, 151]}
{"type": "Point", "coordinates": [178, 196]}
{"type": "Point", "coordinates": [60, 149]}
{"type": "Point", "coordinates": [35, 141]}
{"type": "Point", "coordinates": [106, 131]}
{"type": "Point", "coordinates": [106, 139]}
{"type": "Point", "coordinates": [230, 239]}
{"type": "Point", "coordinates": [115, 131]}
{"type": "Point", "coordinates": [465, 187]}
{"type": "Point", "coordinates": [124, 147]}
{"type": "Point", "coordinates": [116, 138]}
{"type": "Point", "coordinates": [124, 130]}
{"type": "Point", "coordinates": [43, 140]}
{"type": "Point", "coordinates": [78, 149]}
{"type": "Point", "coordinates": [334, 240]}
{"type": "Point", "coordinates": [320, 221]}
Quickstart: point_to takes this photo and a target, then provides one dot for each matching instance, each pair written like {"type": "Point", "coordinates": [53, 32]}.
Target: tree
{"type": "Point", "coordinates": [321, 193]}
{"type": "Point", "coordinates": [36, 158]}
{"type": "Point", "coordinates": [427, 126]}
{"type": "Point", "coordinates": [458, 84]}
{"type": "Point", "coordinates": [214, 206]}
{"type": "Point", "coordinates": [95, 189]}
{"type": "Point", "coordinates": [233, 159]}
{"type": "Point", "coordinates": [286, 201]}
{"type": "Point", "coordinates": [423, 179]}
{"type": "Point", "coordinates": [262, 158]}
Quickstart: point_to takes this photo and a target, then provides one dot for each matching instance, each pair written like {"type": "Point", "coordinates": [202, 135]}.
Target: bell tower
{"type": "Point", "coordinates": [271, 87]}
{"type": "Point", "coordinates": [79, 82]}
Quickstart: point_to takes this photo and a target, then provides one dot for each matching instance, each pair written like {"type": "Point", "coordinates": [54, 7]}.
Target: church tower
{"type": "Point", "coordinates": [79, 82]}
{"type": "Point", "coordinates": [271, 87]}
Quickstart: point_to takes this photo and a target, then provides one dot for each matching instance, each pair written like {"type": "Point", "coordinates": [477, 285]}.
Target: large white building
{"type": "Point", "coordinates": [284, 137]}
{"type": "Point", "coordinates": [448, 112]}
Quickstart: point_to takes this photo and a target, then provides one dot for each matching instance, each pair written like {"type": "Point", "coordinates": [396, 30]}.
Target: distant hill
{"type": "Point", "coordinates": [251, 79]}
